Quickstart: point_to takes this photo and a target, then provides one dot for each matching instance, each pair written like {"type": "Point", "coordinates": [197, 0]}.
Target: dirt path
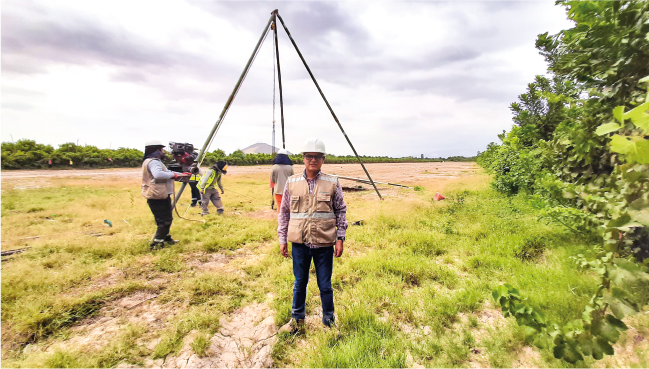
{"type": "Point", "coordinates": [406, 173]}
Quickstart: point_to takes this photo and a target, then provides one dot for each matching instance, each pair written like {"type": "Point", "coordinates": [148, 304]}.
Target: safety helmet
{"type": "Point", "coordinates": [282, 152]}
{"type": "Point", "coordinates": [154, 143]}
{"type": "Point", "coordinates": [313, 144]}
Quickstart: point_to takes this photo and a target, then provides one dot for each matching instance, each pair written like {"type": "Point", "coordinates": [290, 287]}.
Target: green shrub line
{"type": "Point", "coordinates": [27, 154]}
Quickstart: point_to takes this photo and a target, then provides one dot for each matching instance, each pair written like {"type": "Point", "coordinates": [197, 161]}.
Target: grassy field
{"type": "Point", "coordinates": [412, 288]}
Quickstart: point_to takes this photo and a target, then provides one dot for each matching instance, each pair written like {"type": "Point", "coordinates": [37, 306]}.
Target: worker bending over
{"type": "Point", "coordinates": [208, 191]}
{"type": "Point", "coordinates": [157, 187]}
{"type": "Point", "coordinates": [314, 219]}
{"type": "Point", "coordinates": [280, 171]}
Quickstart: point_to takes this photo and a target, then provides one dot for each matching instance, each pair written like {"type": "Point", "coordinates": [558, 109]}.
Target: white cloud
{"type": "Point", "coordinates": [404, 78]}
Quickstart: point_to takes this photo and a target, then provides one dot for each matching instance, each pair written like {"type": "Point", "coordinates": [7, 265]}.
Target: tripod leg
{"type": "Point", "coordinates": [328, 106]}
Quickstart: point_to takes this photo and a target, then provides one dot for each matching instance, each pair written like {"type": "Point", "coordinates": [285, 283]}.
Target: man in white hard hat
{"type": "Point", "coordinates": [280, 171]}
{"type": "Point", "coordinates": [157, 187]}
{"type": "Point", "coordinates": [313, 218]}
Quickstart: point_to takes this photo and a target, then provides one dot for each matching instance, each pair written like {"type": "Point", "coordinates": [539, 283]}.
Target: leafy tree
{"type": "Point", "coordinates": [581, 146]}
{"type": "Point", "coordinates": [542, 108]}
{"type": "Point", "coordinates": [607, 49]}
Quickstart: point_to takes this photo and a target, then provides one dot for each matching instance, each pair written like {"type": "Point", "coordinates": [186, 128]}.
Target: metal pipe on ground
{"type": "Point", "coordinates": [15, 251]}
{"type": "Point", "coordinates": [368, 182]}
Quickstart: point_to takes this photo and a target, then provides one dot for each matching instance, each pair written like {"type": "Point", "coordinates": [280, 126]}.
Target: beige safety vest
{"type": "Point", "coordinates": [151, 189]}
{"type": "Point", "coordinates": [312, 215]}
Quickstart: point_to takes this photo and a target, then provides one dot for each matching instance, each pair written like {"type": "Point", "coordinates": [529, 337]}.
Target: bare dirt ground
{"type": "Point", "coordinates": [245, 340]}
{"type": "Point", "coordinates": [404, 173]}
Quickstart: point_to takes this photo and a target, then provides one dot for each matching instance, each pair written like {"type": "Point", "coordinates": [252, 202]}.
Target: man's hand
{"type": "Point", "coordinates": [338, 250]}
{"type": "Point", "coordinates": [283, 249]}
{"type": "Point", "coordinates": [182, 175]}
{"type": "Point", "coordinates": [222, 192]}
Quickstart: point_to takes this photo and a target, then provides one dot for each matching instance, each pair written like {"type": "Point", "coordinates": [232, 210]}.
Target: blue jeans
{"type": "Point", "coordinates": [323, 261]}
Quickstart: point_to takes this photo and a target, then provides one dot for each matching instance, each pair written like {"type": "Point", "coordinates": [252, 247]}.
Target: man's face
{"type": "Point", "coordinates": [313, 160]}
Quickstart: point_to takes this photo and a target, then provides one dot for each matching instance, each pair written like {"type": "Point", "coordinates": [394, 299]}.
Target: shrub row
{"type": "Point", "coordinates": [27, 154]}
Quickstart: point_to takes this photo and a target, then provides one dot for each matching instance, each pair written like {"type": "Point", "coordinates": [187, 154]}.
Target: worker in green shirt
{"type": "Point", "coordinates": [208, 191]}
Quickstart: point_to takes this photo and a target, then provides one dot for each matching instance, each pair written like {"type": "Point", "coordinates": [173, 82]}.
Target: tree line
{"type": "Point", "coordinates": [579, 151]}
{"type": "Point", "coordinates": [27, 154]}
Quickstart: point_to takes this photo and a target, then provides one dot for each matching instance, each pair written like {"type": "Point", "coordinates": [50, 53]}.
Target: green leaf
{"type": "Point", "coordinates": [586, 346]}
{"type": "Point", "coordinates": [627, 265]}
{"type": "Point", "coordinates": [498, 293]}
{"type": "Point", "coordinates": [642, 122]}
{"type": "Point", "coordinates": [617, 323]}
{"type": "Point", "coordinates": [586, 315]}
{"type": "Point", "coordinates": [618, 113]}
{"type": "Point", "coordinates": [606, 330]}
{"type": "Point", "coordinates": [559, 351]}
{"type": "Point", "coordinates": [621, 144]}
{"type": "Point", "coordinates": [541, 341]}
{"type": "Point", "coordinates": [572, 354]}
{"type": "Point", "coordinates": [619, 222]}
{"type": "Point", "coordinates": [604, 346]}
{"type": "Point", "coordinates": [620, 309]}
{"type": "Point", "coordinates": [530, 334]}
{"type": "Point", "coordinates": [639, 211]}
{"type": "Point", "coordinates": [642, 147]}
{"type": "Point", "coordinates": [639, 116]}
{"type": "Point", "coordinates": [607, 128]}
{"type": "Point", "coordinates": [520, 308]}
{"type": "Point", "coordinates": [635, 148]}
{"type": "Point", "coordinates": [495, 294]}
{"type": "Point", "coordinates": [619, 300]}
{"type": "Point", "coordinates": [538, 316]}
{"type": "Point", "coordinates": [598, 352]}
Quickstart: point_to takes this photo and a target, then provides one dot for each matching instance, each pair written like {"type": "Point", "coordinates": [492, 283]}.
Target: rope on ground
{"type": "Point", "coordinates": [180, 216]}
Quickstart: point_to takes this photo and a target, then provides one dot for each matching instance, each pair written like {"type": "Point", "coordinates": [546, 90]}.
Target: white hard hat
{"type": "Point", "coordinates": [313, 144]}
{"type": "Point", "coordinates": [154, 143]}
{"type": "Point", "coordinates": [282, 152]}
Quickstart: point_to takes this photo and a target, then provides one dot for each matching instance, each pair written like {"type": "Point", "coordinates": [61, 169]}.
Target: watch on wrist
{"type": "Point", "coordinates": [341, 238]}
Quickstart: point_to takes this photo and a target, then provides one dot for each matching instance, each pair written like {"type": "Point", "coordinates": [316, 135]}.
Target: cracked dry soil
{"type": "Point", "coordinates": [245, 340]}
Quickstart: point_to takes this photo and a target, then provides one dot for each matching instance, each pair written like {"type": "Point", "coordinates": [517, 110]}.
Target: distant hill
{"type": "Point", "coordinates": [261, 148]}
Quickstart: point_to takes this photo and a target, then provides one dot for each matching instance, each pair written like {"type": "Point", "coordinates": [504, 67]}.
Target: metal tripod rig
{"type": "Point", "coordinates": [272, 25]}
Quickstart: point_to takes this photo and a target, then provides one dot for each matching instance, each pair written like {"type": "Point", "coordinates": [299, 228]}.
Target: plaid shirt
{"type": "Point", "coordinates": [339, 206]}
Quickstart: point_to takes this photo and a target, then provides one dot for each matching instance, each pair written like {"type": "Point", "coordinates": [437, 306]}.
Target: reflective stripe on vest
{"type": "Point", "coordinates": [325, 177]}
{"type": "Point", "coordinates": [298, 179]}
{"type": "Point", "coordinates": [314, 215]}
{"type": "Point", "coordinates": [209, 182]}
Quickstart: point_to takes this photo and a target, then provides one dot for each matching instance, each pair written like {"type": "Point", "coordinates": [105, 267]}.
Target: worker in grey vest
{"type": "Point", "coordinates": [208, 191]}
{"type": "Point", "coordinates": [313, 217]}
{"type": "Point", "coordinates": [157, 187]}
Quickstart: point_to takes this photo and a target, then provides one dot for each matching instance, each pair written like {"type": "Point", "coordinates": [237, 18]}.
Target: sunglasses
{"type": "Point", "coordinates": [313, 157]}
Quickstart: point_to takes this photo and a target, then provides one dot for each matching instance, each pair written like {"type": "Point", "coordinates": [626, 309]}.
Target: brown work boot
{"type": "Point", "coordinates": [293, 326]}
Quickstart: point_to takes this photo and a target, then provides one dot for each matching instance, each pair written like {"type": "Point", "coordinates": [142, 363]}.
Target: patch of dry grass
{"type": "Point", "coordinates": [412, 287]}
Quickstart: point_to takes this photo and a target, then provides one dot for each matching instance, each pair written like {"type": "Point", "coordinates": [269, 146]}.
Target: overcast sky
{"type": "Point", "coordinates": [404, 78]}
